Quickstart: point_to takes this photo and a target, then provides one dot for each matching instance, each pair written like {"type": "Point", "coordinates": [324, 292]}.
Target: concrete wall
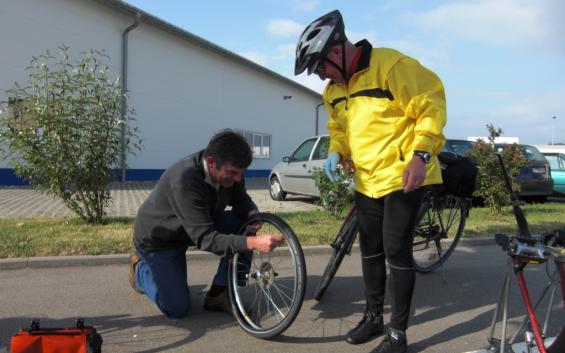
{"type": "Point", "coordinates": [182, 90]}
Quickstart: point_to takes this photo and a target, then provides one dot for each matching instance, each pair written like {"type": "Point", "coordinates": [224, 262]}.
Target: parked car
{"type": "Point", "coordinates": [294, 174]}
{"type": "Point", "coordinates": [535, 178]}
{"type": "Point", "coordinates": [557, 164]}
{"type": "Point", "coordinates": [460, 147]}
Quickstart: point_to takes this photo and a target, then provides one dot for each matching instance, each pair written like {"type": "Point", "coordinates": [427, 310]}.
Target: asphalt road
{"type": "Point", "coordinates": [452, 308]}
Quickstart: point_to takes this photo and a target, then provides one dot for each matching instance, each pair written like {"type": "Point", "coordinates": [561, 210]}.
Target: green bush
{"type": "Point", "coordinates": [335, 196]}
{"type": "Point", "coordinates": [63, 130]}
{"type": "Point", "coordinates": [491, 186]}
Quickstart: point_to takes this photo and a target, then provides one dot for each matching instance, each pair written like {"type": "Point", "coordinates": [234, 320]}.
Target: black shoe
{"type": "Point", "coordinates": [368, 328]}
{"type": "Point", "coordinates": [220, 302]}
{"type": "Point", "coordinates": [394, 342]}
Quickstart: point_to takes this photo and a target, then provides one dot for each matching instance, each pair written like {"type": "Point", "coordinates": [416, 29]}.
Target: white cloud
{"type": "Point", "coordinates": [518, 23]}
{"type": "Point", "coordinates": [284, 28]}
{"type": "Point", "coordinates": [304, 5]}
{"type": "Point", "coordinates": [285, 52]}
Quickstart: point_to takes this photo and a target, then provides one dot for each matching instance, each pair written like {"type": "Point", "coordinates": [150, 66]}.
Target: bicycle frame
{"type": "Point", "coordinates": [524, 250]}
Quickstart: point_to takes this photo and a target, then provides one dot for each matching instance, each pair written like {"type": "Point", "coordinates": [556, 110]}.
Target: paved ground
{"type": "Point", "coordinates": [452, 309]}
{"type": "Point", "coordinates": [25, 202]}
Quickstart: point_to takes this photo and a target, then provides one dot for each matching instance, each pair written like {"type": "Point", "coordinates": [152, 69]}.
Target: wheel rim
{"type": "Point", "coordinates": [432, 242]}
{"type": "Point", "coordinates": [275, 187]}
{"type": "Point", "coordinates": [270, 288]}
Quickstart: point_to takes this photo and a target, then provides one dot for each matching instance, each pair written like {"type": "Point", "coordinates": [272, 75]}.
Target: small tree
{"type": "Point", "coordinates": [490, 181]}
{"type": "Point", "coordinates": [63, 131]}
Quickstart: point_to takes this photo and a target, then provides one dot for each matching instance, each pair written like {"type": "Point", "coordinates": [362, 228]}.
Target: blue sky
{"type": "Point", "coordinates": [501, 61]}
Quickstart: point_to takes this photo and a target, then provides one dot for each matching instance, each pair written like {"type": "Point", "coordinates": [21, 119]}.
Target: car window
{"type": "Point", "coordinates": [321, 151]}
{"type": "Point", "coordinates": [532, 153]}
{"type": "Point", "coordinates": [553, 162]}
{"type": "Point", "coordinates": [302, 153]}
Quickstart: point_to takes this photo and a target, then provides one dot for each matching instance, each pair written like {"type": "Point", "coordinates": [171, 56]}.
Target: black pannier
{"type": "Point", "coordinates": [459, 173]}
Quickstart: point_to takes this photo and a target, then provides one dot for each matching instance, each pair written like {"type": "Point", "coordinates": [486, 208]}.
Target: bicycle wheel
{"type": "Point", "coordinates": [440, 226]}
{"type": "Point", "coordinates": [558, 345]}
{"type": "Point", "coordinates": [341, 245]}
{"type": "Point", "coordinates": [267, 297]}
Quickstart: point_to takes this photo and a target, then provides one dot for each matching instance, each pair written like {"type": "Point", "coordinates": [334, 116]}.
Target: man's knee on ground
{"type": "Point", "coordinates": [176, 310]}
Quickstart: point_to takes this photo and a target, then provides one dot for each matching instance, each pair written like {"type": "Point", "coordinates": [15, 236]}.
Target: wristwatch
{"type": "Point", "coordinates": [426, 156]}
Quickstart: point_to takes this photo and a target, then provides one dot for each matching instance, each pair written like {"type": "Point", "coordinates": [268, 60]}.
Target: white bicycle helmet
{"type": "Point", "coordinates": [316, 40]}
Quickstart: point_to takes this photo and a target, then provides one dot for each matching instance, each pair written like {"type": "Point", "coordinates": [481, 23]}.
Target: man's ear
{"type": "Point", "coordinates": [211, 163]}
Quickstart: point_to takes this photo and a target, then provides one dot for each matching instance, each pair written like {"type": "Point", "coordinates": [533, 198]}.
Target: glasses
{"type": "Point", "coordinates": [320, 68]}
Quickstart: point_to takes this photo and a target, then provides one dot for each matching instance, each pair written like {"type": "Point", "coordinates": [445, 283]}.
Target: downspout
{"type": "Point", "coordinates": [317, 117]}
{"type": "Point", "coordinates": [124, 92]}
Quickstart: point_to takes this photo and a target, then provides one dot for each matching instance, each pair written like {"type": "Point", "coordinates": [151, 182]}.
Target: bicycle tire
{"type": "Point", "coordinates": [341, 245]}
{"type": "Point", "coordinates": [268, 299]}
{"type": "Point", "coordinates": [439, 228]}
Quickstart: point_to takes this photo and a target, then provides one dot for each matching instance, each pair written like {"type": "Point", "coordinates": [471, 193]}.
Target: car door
{"type": "Point", "coordinates": [296, 170]}
{"type": "Point", "coordinates": [317, 161]}
{"type": "Point", "coordinates": [557, 163]}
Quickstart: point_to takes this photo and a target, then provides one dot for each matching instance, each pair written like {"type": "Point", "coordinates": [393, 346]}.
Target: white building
{"type": "Point", "coordinates": [500, 139]}
{"type": "Point", "coordinates": [182, 87]}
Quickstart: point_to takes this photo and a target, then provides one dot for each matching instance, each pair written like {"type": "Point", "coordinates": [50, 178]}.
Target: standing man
{"type": "Point", "coordinates": [187, 207]}
{"type": "Point", "coordinates": [386, 113]}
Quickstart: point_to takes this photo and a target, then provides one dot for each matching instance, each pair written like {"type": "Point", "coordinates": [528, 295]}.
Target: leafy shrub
{"type": "Point", "coordinates": [63, 131]}
{"type": "Point", "coordinates": [491, 186]}
{"type": "Point", "coordinates": [335, 196]}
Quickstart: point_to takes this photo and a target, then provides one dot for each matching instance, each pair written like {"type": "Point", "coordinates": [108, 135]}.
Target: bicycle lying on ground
{"type": "Point", "coordinates": [522, 250]}
{"type": "Point", "coordinates": [441, 221]}
{"type": "Point", "coordinates": [267, 297]}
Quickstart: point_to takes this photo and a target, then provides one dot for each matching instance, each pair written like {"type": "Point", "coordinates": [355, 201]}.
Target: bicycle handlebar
{"type": "Point", "coordinates": [533, 249]}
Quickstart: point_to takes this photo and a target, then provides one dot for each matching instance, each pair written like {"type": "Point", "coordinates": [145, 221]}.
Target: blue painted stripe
{"type": "Point", "coordinates": [9, 178]}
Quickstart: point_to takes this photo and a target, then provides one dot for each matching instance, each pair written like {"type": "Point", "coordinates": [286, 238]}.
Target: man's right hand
{"type": "Point", "coordinates": [264, 243]}
{"type": "Point", "coordinates": [330, 165]}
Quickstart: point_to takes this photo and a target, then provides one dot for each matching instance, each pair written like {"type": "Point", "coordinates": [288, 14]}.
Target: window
{"type": "Point", "coordinates": [302, 153]}
{"type": "Point", "coordinates": [260, 143]}
{"type": "Point", "coordinates": [19, 113]}
{"type": "Point", "coordinates": [321, 151]}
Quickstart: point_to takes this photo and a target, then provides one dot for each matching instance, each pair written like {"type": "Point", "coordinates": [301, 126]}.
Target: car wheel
{"type": "Point", "coordinates": [276, 190]}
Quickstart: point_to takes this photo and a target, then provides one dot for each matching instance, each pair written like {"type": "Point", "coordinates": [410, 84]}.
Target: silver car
{"type": "Point", "coordinates": [293, 174]}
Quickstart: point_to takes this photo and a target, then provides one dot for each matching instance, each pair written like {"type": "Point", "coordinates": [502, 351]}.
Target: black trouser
{"type": "Point", "coordinates": [386, 229]}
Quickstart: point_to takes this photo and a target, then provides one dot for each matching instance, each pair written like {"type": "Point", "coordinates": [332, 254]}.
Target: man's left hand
{"type": "Point", "coordinates": [414, 174]}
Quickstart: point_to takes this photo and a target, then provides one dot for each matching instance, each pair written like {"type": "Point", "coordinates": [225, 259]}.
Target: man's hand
{"type": "Point", "coordinates": [264, 243]}
{"type": "Point", "coordinates": [414, 174]}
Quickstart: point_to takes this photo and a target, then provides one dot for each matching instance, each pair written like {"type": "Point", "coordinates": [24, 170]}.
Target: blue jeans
{"type": "Point", "coordinates": [162, 274]}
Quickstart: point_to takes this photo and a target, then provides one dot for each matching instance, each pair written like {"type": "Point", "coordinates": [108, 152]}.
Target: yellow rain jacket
{"type": "Point", "coordinates": [390, 107]}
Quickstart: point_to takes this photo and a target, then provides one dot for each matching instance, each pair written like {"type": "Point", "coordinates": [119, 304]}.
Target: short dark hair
{"type": "Point", "coordinates": [229, 146]}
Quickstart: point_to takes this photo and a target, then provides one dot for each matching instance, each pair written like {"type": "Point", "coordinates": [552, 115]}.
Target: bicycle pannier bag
{"type": "Point", "coordinates": [78, 339]}
{"type": "Point", "coordinates": [459, 174]}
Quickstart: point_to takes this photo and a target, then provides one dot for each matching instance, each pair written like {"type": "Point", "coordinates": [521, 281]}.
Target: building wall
{"type": "Point", "coordinates": [182, 91]}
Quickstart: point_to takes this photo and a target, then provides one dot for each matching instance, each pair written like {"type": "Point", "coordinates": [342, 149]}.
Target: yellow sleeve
{"type": "Point", "coordinates": [422, 96]}
{"type": "Point", "coordinates": [338, 140]}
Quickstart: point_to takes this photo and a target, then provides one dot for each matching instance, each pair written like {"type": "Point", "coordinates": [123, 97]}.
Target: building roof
{"type": "Point", "coordinates": [147, 18]}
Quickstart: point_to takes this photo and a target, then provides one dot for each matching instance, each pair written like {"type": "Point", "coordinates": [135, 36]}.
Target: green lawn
{"type": "Point", "coordinates": [28, 237]}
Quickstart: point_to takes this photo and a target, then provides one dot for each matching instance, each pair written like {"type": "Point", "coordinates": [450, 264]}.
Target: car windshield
{"type": "Point", "coordinates": [527, 151]}
{"type": "Point", "coordinates": [531, 153]}
{"type": "Point", "coordinates": [460, 146]}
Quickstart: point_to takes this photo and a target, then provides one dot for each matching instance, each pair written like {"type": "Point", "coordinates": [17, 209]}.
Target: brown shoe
{"type": "Point", "coordinates": [221, 302]}
{"type": "Point", "coordinates": [133, 260]}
